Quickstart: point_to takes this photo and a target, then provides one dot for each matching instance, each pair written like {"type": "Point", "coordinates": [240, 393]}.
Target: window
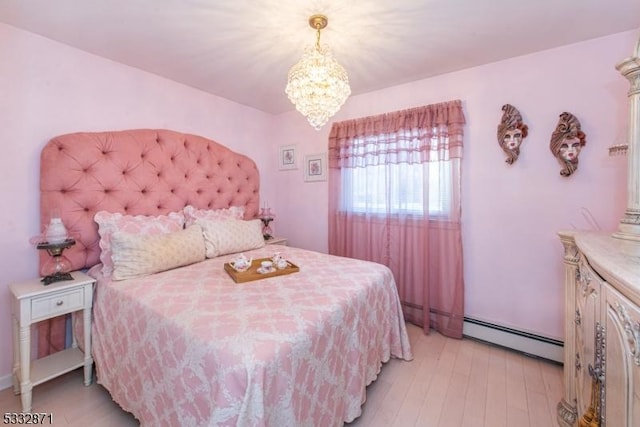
{"type": "Point", "coordinates": [397, 189]}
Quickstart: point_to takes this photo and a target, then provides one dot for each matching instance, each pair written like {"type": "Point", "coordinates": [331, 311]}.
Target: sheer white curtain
{"type": "Point", "coordinates": [394, 195]}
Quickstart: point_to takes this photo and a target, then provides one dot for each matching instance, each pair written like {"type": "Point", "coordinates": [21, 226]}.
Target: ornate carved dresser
{"type": "Point", "coordinates": [602, 297]}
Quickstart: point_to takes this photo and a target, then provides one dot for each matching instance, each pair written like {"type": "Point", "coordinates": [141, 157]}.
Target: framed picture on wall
{"type": "Point", "coordinates": [315, 167]}
{"type": "Point", "coordinates": [287, 157]}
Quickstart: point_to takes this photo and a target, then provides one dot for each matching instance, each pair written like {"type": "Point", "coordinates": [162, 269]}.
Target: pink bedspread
{"type": "Point", "coordinates": [189, 347]}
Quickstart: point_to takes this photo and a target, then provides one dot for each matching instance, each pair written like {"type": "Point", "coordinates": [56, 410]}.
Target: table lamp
{"type": "Point", "coordinates": [266, 216]}
{"type": "Point", "coordinates": [55, 241]}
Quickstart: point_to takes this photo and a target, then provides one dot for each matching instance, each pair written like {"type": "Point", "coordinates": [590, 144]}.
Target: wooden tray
{"type": "Point", "coordinates": [252, 273]}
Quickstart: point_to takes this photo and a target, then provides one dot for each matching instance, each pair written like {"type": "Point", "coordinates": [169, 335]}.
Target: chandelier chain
{"type": "Point", "coordinates": [318, 37]}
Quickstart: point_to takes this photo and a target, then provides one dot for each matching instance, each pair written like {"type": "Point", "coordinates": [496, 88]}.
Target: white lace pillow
{"type": "Point", "coordinates": [109, 223]}
{"type": "Point", "coordinates": [135, 255]}
{"type": "Point", "coordinates": [192, 214]}
{"type": "Point", "coordinates": [231, 236]}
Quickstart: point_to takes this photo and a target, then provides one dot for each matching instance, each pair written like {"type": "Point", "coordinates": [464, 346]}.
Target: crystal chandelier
{"type": "Point", "coordinates": [318, 85]}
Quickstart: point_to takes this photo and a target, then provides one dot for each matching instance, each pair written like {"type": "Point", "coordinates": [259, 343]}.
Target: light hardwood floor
{"type": "Point", "coordinates": [448, 383]}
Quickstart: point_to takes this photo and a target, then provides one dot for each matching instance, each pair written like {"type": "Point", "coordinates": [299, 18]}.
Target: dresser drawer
{"type": "Point", "coordinates": [60, 303]}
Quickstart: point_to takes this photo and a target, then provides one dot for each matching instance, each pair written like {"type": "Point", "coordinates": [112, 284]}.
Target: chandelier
{"type": "Point", "coordinates": [318, 85]}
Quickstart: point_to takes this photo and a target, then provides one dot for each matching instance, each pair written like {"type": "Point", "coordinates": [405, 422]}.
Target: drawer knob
{"type": "Point", "coordinates": [59, 303]}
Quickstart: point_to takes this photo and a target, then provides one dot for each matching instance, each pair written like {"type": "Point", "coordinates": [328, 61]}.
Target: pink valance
{"type": "Point", "coordinates": [415, 136]}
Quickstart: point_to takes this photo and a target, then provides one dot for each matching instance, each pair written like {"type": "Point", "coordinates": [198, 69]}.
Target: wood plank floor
{"type": "Point", "coordinates": [448, 383]}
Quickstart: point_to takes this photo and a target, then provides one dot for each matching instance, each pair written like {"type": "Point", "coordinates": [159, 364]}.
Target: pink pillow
{"type": "Point", "coordinates": [191, 214]}
{"type": "Point", "coordinates": [109, 223]}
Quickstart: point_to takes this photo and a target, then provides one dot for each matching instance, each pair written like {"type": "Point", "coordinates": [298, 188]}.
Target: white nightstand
{"type": "Point", "coordinates": [33, 302]}
{"type": "Point", "coordinates": [277, 241]}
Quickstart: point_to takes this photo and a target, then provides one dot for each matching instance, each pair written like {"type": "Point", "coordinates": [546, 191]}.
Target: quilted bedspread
{"type": "Point", "coordinates": [190, 347]}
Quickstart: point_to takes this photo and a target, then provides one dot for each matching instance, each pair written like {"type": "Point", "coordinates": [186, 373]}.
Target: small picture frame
{"type": "Point", "coordinates": [287, 157]}
{"type": "Point", "coordinates": [315, 167]}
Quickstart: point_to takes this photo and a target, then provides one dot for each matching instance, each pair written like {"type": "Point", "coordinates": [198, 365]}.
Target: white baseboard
{"type": "Point", "coordinates": [525, 342]}
{"type": "Point", "coordinates": [6, 382]}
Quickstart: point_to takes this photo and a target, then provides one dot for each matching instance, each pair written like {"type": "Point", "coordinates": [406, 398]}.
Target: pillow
{"type": "Point", "coordinates": [231, 236]}
{"type": "Point", "coordinates": [192, 214]}
{"type": "Point", "coordinates": [135, 255]}
{"type": "Point", "coordinates": [109, 223]}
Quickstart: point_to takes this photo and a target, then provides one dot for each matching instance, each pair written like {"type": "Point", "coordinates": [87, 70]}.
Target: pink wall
{"type": "Point", "coordinates": [513, 259]}
{"type": "Point", "coordinates": [49, 89]}
{"type": "Point", "coordinates": [512, 256]}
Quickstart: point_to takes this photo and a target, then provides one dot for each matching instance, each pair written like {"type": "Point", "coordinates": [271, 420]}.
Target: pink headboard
{"type": "Point", "coordinates": [137, 172]}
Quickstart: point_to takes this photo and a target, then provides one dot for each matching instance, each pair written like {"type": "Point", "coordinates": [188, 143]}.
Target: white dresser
{"type": "Point", "coordinates": [602, 299]}
{"type": "Point", "coordinates": [602, 331]}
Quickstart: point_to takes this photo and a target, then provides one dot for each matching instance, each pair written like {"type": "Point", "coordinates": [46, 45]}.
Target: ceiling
{"type": "Point", "coordinates": [242, 49]}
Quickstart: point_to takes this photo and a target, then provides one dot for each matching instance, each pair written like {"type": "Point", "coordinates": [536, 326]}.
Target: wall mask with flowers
{"type": "Point", "coordinates": [511, 132]}
{"type": "Point", "coordinates": [567, 142]}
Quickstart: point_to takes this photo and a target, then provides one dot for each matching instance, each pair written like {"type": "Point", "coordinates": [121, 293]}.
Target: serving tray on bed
{"type": "Point", "coordinates": [252, 273]}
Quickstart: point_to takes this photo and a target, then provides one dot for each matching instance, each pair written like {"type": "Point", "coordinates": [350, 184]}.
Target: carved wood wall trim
{"type": "Point", "coordinates": [629, 227]}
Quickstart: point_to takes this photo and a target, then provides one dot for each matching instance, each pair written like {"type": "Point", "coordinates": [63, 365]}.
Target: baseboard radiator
{"type": "Point", "coordinates": [524, 342]}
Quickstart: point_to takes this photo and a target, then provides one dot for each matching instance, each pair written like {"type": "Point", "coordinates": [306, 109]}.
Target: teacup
{"type": "Point", "coordinates": [266, 265]}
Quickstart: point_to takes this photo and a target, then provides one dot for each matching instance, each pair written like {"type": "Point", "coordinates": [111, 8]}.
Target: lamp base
{"type": "Point", "coordinates": [267, 233]}
{"type": "Point", "coordinates": [56, 277]}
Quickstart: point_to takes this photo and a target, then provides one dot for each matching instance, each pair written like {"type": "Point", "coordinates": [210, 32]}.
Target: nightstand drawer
{"type": "Point", "coordinates": [52, 305]}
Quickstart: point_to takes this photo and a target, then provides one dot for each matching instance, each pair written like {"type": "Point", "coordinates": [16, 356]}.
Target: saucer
{"type": "Point", "coordinates": [261, 270]}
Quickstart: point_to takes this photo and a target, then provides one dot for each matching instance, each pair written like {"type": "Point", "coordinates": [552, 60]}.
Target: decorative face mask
{"type": "Point", "coordinates": [511, 132]}
{"type": "Point", "coordinates": [567, 142]}
{"type": "Point", "coordinates": [512, 139]}
{"type": "Point", "coordinates": [570, 149]}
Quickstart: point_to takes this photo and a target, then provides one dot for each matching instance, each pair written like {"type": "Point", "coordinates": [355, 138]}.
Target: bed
{"type": "Point", "coordinates": [188, 346]}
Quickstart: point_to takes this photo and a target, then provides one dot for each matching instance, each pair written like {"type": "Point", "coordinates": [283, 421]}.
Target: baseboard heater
{"type": "Point", "coordinates": [524, 342]}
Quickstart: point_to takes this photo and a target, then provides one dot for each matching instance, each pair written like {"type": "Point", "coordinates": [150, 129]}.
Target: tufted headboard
{"type": "Point", "coordinates": [137, 172]}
